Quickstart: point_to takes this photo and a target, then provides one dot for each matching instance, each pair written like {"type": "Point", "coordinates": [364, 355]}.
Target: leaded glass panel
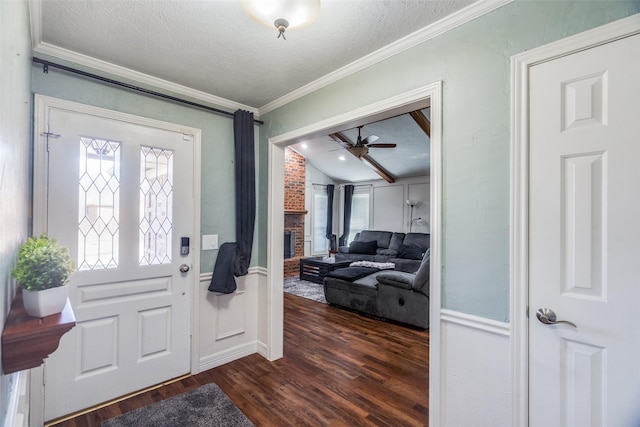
{"type": "Point", "coordinates": [98, 207]}
{"type": "Point", "coordinates": [156, 205]}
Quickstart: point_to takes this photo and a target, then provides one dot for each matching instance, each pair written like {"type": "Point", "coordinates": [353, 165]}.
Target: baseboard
{"type": "Point", "coordinates": [229, 355]}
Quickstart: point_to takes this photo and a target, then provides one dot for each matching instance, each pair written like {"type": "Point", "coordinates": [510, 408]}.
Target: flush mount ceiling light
{"type": "Point", "coordinates": [282, 14]}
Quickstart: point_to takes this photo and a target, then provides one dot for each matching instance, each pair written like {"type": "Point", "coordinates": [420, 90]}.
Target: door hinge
{"type": "Point", "coordinates": [50, 135]}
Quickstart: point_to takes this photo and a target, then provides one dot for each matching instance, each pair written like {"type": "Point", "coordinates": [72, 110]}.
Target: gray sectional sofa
{"type": "Point", "coordinates": [405, 250]}
{"type": "Point", "coordinates": [389, 294]}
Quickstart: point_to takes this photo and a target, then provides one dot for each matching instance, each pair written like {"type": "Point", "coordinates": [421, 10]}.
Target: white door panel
{"type": "Point", "coordinates": [585, 237]}
{"type": "Point", "coordinates": [132, 304]}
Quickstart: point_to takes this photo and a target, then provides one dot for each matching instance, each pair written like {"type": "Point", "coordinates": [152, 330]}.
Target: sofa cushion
{"type": "Point", "coordinates": [406, 265]}
{"type": "Point", "coordinates": [398, 279]}
{"type": "Point", "coordinates": [382, 237]}
{"type": "Point", "coordinates": [387, 252]}
{"type": "Point", "coordinates": [421, 240]}
{"type": "Point", "coordinates": [410, 252]}
{"type": "Point", "coordinates": [351, 273]}
{"type": "Point", "coordinates": [396, 241]}
{"type": "Point", "coordinates": [364, 247]}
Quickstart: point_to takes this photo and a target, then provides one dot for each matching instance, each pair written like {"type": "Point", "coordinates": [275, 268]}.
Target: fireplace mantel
{"type": "Point", "coordinates": [295, 212]}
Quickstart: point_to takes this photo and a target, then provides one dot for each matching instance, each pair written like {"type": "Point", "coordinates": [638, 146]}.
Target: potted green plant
{"type": "Point", "coordinates": [42, 271]}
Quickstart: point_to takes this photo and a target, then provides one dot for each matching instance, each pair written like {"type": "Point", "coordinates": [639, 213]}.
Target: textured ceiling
{"type": "Point", "coordinates": [213, 47]}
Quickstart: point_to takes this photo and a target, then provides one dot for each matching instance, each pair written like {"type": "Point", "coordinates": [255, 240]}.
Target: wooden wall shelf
{"type": "Point", "coordinates": [27, 341]}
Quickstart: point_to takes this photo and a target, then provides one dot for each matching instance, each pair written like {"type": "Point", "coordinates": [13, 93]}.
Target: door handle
{"type": "Point", "coordinates": [184, 268]}
{"type": "Point", "coordinates": [548, 317]}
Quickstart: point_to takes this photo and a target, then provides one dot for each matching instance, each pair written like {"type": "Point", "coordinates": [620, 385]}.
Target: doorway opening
{"type": "Point", "coordinates": [428, 96]}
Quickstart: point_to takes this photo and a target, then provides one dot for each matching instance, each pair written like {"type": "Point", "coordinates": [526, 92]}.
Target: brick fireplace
{"type": "Point", "coordinates": [294, 208]}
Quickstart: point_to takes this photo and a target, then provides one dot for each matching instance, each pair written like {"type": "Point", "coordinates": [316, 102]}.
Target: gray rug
{"type": "Point", "coordinates": [305, 289]}
{"type": "Point", "coordinates": [203, 407]}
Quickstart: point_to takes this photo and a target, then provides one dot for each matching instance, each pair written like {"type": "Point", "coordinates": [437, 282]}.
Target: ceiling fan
{"type": "Point", "coordinates": [362, 145]}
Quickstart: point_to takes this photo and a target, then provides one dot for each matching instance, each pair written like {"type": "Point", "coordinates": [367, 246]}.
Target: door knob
{"type": "Point", "coordinates": [184, 268]}
{"type": "Point", "coordinates": [548, 317]}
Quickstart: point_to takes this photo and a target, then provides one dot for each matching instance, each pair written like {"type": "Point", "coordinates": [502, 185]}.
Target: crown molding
{"type": "Point", "coordinates": [35, 17]}
{"type": "Point", "coordinates": [452, 21]}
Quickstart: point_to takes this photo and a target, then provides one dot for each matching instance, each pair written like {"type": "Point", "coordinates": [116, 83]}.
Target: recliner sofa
{"type": "Point", "coordinates": [405, 250]}
{"type": "Point", "coordinates": [389, 294]}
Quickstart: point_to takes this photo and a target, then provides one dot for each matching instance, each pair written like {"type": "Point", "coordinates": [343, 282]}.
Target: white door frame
{"type": "Point", "coordinates": [42, 104]}
{"type": "Point", "coordinates": [403, 103]}
{"type": "Point", "coordinates": [519, 177]}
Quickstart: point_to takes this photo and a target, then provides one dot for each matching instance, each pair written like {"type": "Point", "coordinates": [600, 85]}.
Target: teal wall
{"type": "Point", "coordinates": [217, 196]}
{"type": "Point", "coordinates": [473, 62]}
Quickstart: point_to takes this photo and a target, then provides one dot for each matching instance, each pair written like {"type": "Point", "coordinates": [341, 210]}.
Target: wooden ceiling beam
{"type": "Point", "coordinates": [366, 159]}
{"type": "Point", "coordinates": [422, 121]}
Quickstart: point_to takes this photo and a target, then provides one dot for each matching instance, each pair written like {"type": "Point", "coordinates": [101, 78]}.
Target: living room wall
{"type": "Point", "coordinates": [473, 62]}
{"type": "Point", "coordinates": [15, 143]}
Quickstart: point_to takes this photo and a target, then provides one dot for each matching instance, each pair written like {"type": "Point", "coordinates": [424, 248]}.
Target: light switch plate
{"type": "Point", "coordinates": [209, 242]}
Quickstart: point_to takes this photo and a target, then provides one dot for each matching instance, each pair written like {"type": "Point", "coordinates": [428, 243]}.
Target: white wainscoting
{"type": "Point", "coordinates": [228, 323]}
{"type": "Point", "coordinates": [475, 386]}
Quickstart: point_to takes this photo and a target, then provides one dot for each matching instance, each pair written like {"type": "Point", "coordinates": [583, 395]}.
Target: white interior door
{"type": "Point", "coordinates": [585, 238]}
{"type": "Point", "coordinates": [120, 196]}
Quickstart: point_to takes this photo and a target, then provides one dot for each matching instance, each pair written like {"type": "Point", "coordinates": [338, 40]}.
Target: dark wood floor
{"type": "Point", "coordinates": [338, 369]}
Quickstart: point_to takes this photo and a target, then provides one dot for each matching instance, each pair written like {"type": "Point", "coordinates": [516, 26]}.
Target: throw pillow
{"type": "Point", "coordinates": [366, 248]}
{"type": "Point", "coordinates": [410, 252]}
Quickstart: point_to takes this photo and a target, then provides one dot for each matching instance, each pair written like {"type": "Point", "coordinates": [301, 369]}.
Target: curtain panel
{"type": "Point", "coordinates": [238, 254]}
{"type": "Point", "coordinates": [348, 200]}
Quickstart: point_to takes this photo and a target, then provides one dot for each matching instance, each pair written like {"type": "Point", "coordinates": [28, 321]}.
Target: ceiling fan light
{"type": "Point", "coordinates": [297, 13]}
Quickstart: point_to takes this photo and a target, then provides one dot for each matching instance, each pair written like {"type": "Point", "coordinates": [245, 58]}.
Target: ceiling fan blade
{"type": "Point", "coordinates": [370, 139]}
{"type": "Point", "coordinates": [381, 145]}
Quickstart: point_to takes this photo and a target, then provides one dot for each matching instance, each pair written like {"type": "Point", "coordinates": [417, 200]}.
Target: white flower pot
{"type": "Point", "coordinates": [46, 302]}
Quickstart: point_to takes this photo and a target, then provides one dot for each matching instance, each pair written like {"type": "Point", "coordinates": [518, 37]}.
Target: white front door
{"type": "Point", "coordinates": [121, 197]}
{"type": "Point", "coordinates": [584, 237]}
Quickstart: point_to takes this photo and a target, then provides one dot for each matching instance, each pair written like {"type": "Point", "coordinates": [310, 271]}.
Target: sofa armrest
{"type": "Point", "coordinates": [343, 249]}
{"type": "Point", "coordinates": [398, 279]}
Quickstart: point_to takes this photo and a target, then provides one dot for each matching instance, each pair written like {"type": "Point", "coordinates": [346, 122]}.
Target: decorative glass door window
{"type": "Point", "coordinates": [99, 191]}
{"type": "Point", "coordinates": [156, 205]}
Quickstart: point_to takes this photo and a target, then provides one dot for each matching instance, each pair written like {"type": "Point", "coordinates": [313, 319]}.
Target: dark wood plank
{"type": "Point", "coordinates": [339, 369]}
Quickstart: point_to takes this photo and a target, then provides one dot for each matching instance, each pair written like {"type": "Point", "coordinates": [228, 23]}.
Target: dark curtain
{"type": "Point", "coordinates": [348, 199]}
{"type": "Point", "coordinates": [245, 186]}
{"type": "Point", "coordinates": [329, 233]}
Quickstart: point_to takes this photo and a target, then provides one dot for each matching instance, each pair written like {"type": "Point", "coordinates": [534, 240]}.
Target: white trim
{"type": "Point", "coordinates": [229, 355]}
{"type": "Point", "coordinates": [519, 180]}
{"type": "Point", "coordinates": [35, 19]}
{"type": "Point", "coordinates": [260, 271]}
{"type": "Point", "coordinates": [42, 106]}
{"type": "Point", "coordinates": [403, 103]}
{"type": "Point", "coordinates": [436, 29]}
{"type": "Point", "coordinates": [127, 73]}
{"type": "Point", "coordinates": [475, 322]}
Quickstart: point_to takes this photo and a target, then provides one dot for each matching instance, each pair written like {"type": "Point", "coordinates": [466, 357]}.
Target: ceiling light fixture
{"type": "Point", "coordinates": [282, 14]}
